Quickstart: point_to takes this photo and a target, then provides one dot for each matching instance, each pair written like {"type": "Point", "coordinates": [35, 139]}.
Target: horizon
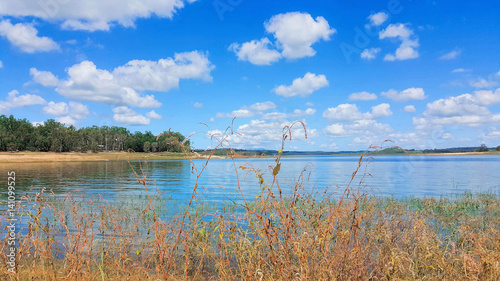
{"type": "Point", "coordinates": [424, 75]}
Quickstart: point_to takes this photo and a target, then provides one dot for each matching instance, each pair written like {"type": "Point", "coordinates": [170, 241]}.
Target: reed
{"type": "Point", "coordinates": [278, 235]}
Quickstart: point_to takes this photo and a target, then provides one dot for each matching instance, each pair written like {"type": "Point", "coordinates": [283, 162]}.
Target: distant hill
{"type": "Point", "coordinates": [386, 151]}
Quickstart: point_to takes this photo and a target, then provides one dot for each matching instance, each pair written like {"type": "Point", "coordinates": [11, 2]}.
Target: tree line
{"type": "Point", "coordinates": [20, 134]}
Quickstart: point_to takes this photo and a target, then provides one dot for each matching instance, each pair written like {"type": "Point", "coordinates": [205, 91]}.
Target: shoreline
{"type": "Point", "coordinates": [33, 157]}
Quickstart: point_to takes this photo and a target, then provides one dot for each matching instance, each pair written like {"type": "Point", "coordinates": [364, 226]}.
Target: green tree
{"type": "Point", "coordinates": [147, 146]}
{"type": "Point", "coordinates": [482, 148]}
{"type": "Point", "coordinates": [498, 148]}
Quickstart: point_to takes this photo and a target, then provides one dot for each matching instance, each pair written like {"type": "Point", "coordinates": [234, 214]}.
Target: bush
{"type": "Point", "coordinates": [498, 148]}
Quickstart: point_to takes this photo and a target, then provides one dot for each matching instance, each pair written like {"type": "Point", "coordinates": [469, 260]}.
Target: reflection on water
{"type": "Point", "coordinates": [390, 175]}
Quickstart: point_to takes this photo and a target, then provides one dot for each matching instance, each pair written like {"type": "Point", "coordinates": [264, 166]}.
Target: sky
{"type": "Point", "coordinates": [423, 74]}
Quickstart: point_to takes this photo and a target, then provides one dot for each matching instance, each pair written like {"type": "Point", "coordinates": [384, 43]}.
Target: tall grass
{"type": "Point", "coordinates": [276, 235]}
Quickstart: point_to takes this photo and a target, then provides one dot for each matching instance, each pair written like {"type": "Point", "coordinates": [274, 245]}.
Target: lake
{"type": "Point", "coordinates": [397, 176]}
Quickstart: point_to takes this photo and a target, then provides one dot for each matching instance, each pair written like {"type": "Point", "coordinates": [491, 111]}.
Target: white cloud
{"type": "Point", "coordinates": [460, 70]}
{"type": "Point", "coordinates": [69, 112]}
{"type": "Point", "coordinates": [122, 86]}
{"type": "Point", "coordinates": [363, 96]}
{"type": "Point", "coordinates": [483, 83]}
{"type": "Point", "coordinates": [296, 32]}
{"type": "Point", "coordinates": [256, 52]}
{"type": "Point", "coordinates": [335, 129]}
{"type": "Point", "coordinates": [381, 111]}
{"type": "Point", "coordinates": [378, 18]}
{"type": "Point", "coordinates": [407, 50]}
{"type": "Point", "coordinates": [262, 106]}
{"type": "Point", "coordinates": [198, 105]}
{"type": "Point", "coordinates": [398, 30]}
{"type": "Point", "coordinates": [364, 127]}
{"type": "Point", "coordinates": [261, 133]}
{"type": "Point", "coordinates": [294, 114]}
{"type": "Point", "coordinates": [153, 115]}
{"type": "Point", "coordinates": [350, 112]}
{"type": "Point", "coordinates": [58, 109]}
{"type": "Point", "coordinates": [406, 95]}
{"type": "Point", "coordinates": [14, 101]}
{"type": "Point", "coordinates": [451, 55]}
{"type": "Point", "coordinates": [38, 123]}
{"type": "Point", "coordinates": [410, 108]}
{"type": "Point", "coordinates": [1, 64]}
{"type": "Point", "coordinates": [128, 116]}
{"type": "Point", "coordinates": [67, 120]}
{"type": "Point", "coordinates": [370, 54]}
{"type": "Point", "coordinates": [467, 109]}
{"type": "Point", "coordinates": [24, 36]}
{"type": "Point", "coordinates": [309, 104]}
{"type": "Point", "coordinates": [309, 111]}
{"type": "Point", "coordinates": [408, 47]}
{"type": "Point", "coordinates": [275, 115]}
{"type": "Point", "coordinates": [344, 112]}
{"type": "Point", "coordinates": [78, 110]}
{"type": "Point", "coordinates": [302, 86]}
{"type": "Point", "coordinates": [45, 78]}
{"type": "Point", "coordinates": [248, 111]}
{"type": "Point", "coordinates": [92, 15]}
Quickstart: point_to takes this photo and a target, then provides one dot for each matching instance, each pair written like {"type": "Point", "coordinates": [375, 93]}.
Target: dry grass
{"type": "Point", "coordinates": [33, 157]}
{"type": "Point", "coordinates": [351, 236]}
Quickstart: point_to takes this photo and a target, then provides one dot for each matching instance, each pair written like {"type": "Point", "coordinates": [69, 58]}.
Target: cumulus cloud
{"type": "Point", "coordinates": [69, 113]}
{"type": "Point", "coordinates": [365, 127]}
{"type": "Point", "coordinates": [409, 43]}
{"type": "Point", "coordinates": [123, 85]}
{"type": "Point", "coordinates": [92, 15]}
{"type": "Point", "coordinates": [377, 19]}
{"type": "Point", "coordinates": [467, 109]}
{"type": "Point", "coordinates": [406, 95]}
{"type": "Point", "coordinates": [381, 111]}
{"type": "Point", "coordinates": [67, 120]}
{"type": "Point", "coordinates": [44, 78]}
{"type": "Point", "coordinates": [344, 112]}
{"type": "Point", "coordinates": [128, 116]}
{"type": "Point", "coordinates": [370, 54]}
{"type": "Point", "coordinates": [410, 108]}
{"type": "Point", "coordinates": [25, 36]}
{"type": "Point", "coordinates": [262, 106]}
{"type": "Point", "coordinates": [198, 105]}
{"type": "Point", "coordinates": [14, 100]}
{"type": "Point", "coordinates": [262, 133]}
{"type": "Point", "coordinates": [294, 32]}
{"type": "Point", "coordinates": [362, 96]}
{"type": "Point", "coordinates": [350, 112]}
{"type": "Point", "coordinates": [451, 55]}
{"type": "Point", "coordinates": [58, 109]}
{"type": "Point", "coordinates": [256, 52]}
{"type": "Point", "coordinates": [302, 86]}
{"type": "Point", "coordinates": [153, 115]}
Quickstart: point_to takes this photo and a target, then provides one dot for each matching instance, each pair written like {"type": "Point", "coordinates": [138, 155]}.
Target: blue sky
{"type": "Point", "coordinates": [425, 74]}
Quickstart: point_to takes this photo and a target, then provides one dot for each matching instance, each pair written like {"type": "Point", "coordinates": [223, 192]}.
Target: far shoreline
{"type": "Point", "coordinates": [42, 157]}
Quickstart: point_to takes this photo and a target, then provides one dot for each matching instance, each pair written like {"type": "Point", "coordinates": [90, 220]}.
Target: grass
{"type": "Point", "coordinates": [275, 236]}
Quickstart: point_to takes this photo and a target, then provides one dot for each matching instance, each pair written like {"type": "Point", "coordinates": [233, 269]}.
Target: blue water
{"type": "Point", "coordinates": [397, 176]}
